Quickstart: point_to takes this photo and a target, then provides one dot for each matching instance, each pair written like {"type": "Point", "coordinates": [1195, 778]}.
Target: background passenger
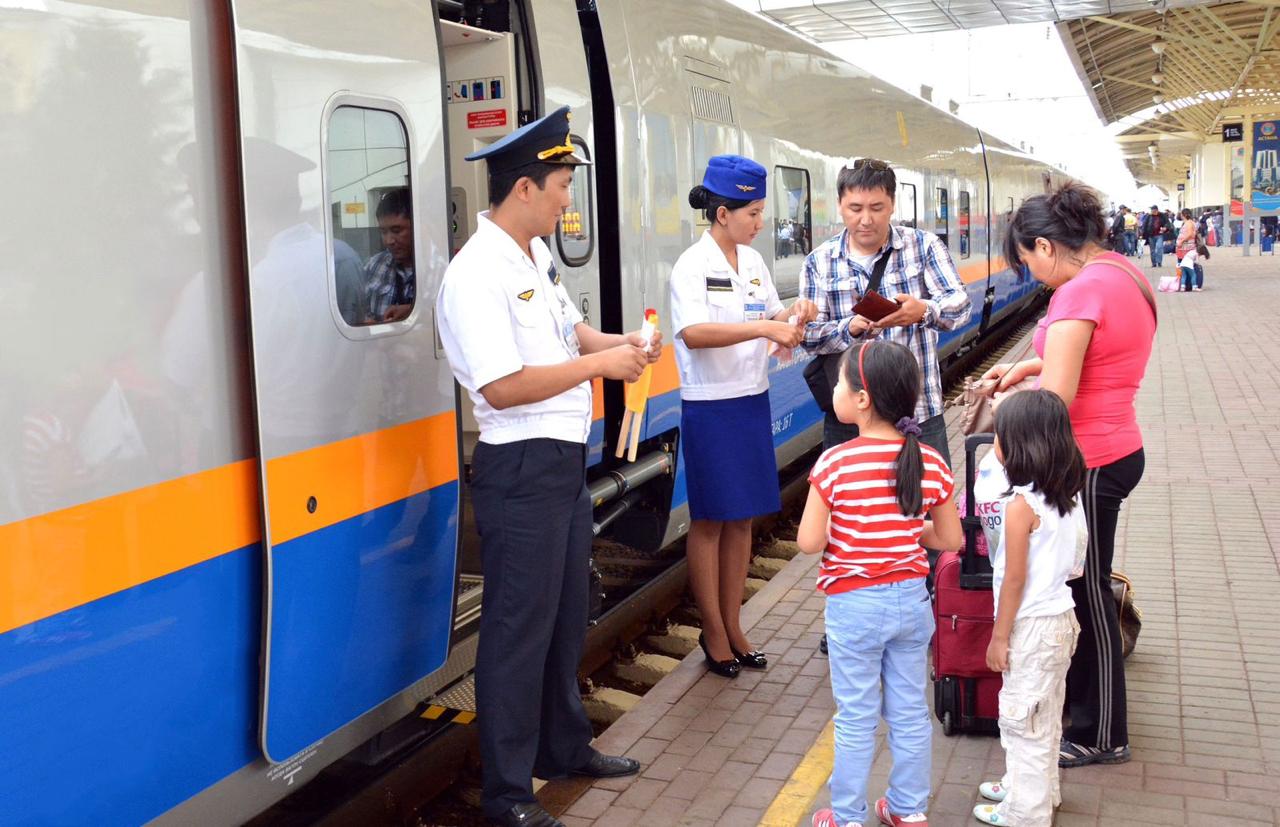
{"type": "Point", "coordinates": [866, 516]}
{"type": "Point", "coordinates": [1186, 236]}
{"type": "Point", "coordinates": [1094, 344]}
{"type": "Point", "coordinates": [389, 283]}
{"type": "Point", "coordinates": [725, 313]}
{"type": "Point", "coordinates": [1153, 232]}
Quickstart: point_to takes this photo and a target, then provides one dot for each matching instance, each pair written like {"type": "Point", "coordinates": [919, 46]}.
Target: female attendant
{"type": "Point", "coordinates": [727, 317]}
{"type": "Point", "coordinates": [1094, 344]}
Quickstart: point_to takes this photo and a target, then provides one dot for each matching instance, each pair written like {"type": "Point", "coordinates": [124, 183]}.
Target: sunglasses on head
{"type": "Point", "coordinates": [878, 166]}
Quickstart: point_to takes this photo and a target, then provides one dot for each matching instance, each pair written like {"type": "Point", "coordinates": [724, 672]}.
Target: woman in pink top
{"type": "Point", "coordinates": [1093, 344]}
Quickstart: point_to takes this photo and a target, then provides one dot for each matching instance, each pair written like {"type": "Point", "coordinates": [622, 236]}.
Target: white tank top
{"type": "Point", "coordinates": [1056, 555]}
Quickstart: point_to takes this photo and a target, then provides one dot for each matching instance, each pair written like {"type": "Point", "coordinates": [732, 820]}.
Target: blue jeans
{"type": "Point", "coordinates": [1130, 243]}
{"type": "Point", "coordinates": [1188, 277]}
{"type": "Point", "coordinates": [878, 636]}
{"type": "Point", "coordinates": [1157, 251]}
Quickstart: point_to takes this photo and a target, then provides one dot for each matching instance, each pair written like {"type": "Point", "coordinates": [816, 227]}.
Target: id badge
{"type": "Point", "coordinates": [754, 311]}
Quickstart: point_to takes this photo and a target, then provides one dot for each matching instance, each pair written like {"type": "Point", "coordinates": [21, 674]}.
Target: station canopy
{"type": "Point", "coordinates": [1168, 73]}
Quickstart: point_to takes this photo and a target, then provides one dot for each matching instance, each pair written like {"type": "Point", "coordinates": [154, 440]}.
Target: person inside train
{"type": "Point", "coordinates": [518, 345]}
{"type": "Point", "coordinates": [390, 287]}
{"type": "Point", "coordinates": [918, 274]}
{"type": "Point", "coordinates": [872, 502]}
{"type": "Point", "coordinates": [727, 318]}
{"type": "Point", "coordinates": [1093, 346]}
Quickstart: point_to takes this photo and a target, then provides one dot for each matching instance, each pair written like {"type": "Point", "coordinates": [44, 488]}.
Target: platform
{"type": "Point", "coordinates": [1201, 539]}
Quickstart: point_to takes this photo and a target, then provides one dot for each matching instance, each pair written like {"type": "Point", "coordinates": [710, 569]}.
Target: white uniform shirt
{"type": "Point", "coordinates": [498, 311]}
{"type": "Point", "coordinates": [704, 288]}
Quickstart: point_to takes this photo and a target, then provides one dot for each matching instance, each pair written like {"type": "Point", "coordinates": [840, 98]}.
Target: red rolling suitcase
{"type": "Point", "coordinates": [964, 690]}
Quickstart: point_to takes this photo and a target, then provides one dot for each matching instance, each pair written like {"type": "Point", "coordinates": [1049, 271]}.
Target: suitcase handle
{"type": "Point", "coordinates": [975, 571]}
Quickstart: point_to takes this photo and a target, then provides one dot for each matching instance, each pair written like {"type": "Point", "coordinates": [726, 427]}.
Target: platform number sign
{"type": "Point", "coordinates": [1232, 132]}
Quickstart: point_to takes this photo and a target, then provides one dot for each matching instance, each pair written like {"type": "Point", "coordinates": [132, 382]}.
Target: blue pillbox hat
{"type": "Point", "coordinates": [732, 176]}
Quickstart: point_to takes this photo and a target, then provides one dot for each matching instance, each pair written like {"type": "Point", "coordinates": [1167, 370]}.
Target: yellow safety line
{"type": "Point", "coordinates": [432, 712]}
{"type": "Point", "coordinates": [796, 796]}
{"type": "Point", "coordinates": [464, 717]}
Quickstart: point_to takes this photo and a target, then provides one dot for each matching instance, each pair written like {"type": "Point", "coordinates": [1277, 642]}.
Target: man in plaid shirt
{"type": "Point", "coordinates": [919, 275]}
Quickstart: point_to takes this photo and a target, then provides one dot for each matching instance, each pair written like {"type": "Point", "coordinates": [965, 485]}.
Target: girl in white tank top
{"type": "Point", "coordinates": [1041, 546]}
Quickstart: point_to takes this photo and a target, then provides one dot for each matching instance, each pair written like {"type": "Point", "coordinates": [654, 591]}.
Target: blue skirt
{"type": "Point", "coordinates": [729, 467]}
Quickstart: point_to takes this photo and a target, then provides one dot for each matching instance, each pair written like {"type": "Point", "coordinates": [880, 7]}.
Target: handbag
{"type": "Point", "coordinates": [979, 398]}
{"type": "Point", "coordinates": [1130, 615]}
{"type": "Point", "coordinates": [823, 372]}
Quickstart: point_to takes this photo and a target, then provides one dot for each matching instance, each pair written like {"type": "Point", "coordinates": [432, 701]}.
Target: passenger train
{"type": "Point", "coordinates": [233, 533]}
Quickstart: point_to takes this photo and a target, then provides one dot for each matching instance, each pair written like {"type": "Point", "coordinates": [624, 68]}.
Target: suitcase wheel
{"type": "Point", "coordinates": [948, 725]}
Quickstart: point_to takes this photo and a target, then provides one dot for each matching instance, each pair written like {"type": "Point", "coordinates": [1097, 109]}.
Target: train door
{"type": "Point", "coordinates": [343, 158]}
{"type": "Point", "coordinates": [505, 64]}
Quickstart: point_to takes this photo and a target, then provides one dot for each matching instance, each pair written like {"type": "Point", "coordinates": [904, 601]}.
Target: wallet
{"type": "Point", "coordinates": [875, 307]}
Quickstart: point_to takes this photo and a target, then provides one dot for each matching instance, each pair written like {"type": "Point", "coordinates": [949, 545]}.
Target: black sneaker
{"type": "Point", "coordinates": [1071, 754]}
{"type": "Point", "coordinates": [822, 645]}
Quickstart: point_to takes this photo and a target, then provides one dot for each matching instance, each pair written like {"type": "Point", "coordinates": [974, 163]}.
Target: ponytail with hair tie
{"type": "Point", "coordinates": [908, 426]}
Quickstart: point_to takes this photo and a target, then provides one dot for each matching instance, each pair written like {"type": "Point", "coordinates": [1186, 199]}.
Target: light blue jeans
{"type": "Point", "coordinates": [879, 636]}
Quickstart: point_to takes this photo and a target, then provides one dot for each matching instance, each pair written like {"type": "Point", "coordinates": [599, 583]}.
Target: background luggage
{"type": "Point", "coordinates": [965, 691]}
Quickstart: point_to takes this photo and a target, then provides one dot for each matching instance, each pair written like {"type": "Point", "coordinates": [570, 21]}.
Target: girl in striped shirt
{"type": "Point", "coordinates": [866, 514]}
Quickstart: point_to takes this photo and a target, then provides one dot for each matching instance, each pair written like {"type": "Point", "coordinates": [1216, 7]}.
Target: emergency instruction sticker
{"type": "Point", "coordinates": [486, 119]}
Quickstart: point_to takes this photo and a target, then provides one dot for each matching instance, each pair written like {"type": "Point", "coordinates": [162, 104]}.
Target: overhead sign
{"type": "Point", "coordinates": [1232, 132]}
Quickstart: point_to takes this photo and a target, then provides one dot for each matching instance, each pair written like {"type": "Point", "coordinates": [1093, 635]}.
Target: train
{"type": "Point", "coordinates": [234, 540]}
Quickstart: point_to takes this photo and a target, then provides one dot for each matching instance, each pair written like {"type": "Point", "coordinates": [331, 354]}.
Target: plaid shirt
{"type": "Point", "coordinates": [387, 283]}
{"type": "Point", "coordinates": [920, 266]}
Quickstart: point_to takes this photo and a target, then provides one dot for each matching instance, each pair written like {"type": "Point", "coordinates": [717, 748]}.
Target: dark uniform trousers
{"type": "Point", "coordinates": [534, 518]}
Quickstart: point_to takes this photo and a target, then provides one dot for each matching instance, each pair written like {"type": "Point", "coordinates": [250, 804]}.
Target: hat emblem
{"type": "Point", "coordinates": [565, 148]}
{"type": "Point", "coordinates": [525, 296]}
{"type": "Point", "coordinates": [744, 187]}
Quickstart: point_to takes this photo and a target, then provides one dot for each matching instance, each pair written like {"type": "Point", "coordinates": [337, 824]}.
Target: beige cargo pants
{"type": "Point", "coordinates": [1035, 685]}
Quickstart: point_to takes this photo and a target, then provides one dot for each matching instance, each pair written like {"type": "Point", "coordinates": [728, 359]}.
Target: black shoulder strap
{"type": "Point", "coordinates": [877, 272]}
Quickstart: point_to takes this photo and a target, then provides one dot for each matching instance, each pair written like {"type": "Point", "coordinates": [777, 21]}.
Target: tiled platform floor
{"type": "Point", "coordinates": [1201, 539]}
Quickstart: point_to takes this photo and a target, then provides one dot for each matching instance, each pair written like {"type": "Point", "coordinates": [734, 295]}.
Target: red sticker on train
{"type": "Point", "coordinates": [486, 119]}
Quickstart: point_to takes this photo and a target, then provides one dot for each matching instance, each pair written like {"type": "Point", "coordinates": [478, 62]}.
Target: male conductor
{"type": "Point", "coordinates": [521, 349]}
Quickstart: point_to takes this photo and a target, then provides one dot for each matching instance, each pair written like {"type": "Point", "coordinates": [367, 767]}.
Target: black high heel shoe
{"type": "Point", "coordinates": [724, 668]}
{"type": "Point", "coordinates": [751, 660]}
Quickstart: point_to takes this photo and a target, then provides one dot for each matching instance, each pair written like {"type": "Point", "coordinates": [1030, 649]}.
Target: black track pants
{"type": "Point", "coordinates": [1095, 682]}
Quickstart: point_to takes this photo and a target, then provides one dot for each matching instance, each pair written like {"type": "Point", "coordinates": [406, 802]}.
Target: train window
{"type": "Point", "coordinates": [792, 222]}
{"type": "Point", "coordinates": [962, 207]}
{"type": "Point", "coordinates": [905, 206]}
{"type": "Point", "coordinates": [371, 213]}
{"type": "Point", "coordinates": [575, 236]}
{"type": "Point", "coordinates": [940, 227]}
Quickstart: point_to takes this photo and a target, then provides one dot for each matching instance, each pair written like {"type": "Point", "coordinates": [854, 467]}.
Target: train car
{"type": "Point", "coordinates": [233, 523]}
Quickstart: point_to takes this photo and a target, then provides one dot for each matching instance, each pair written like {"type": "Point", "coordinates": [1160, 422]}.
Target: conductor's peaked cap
{"type": "Point", "coordinates": [545, 141]}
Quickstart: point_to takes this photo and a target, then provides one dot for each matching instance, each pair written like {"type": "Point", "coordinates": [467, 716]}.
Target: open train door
{"type": "Point", "coordinates": [340, 119]}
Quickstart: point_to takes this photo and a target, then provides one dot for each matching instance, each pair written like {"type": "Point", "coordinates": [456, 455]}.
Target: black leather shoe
{"type": "Point", "coordinates": [751, 660]}
{"type": "Point", "coordinates": [724, 668]}
{"type": "Point", "coordinates": [822, 644]}
{"type": "Point", "coordinates": [608, 766]}
{"type": "Point", "coordinates": [527, 815]}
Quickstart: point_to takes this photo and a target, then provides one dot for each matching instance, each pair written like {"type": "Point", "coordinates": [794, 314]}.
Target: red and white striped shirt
{"type": "Point", "coordinates": [870, 541]}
